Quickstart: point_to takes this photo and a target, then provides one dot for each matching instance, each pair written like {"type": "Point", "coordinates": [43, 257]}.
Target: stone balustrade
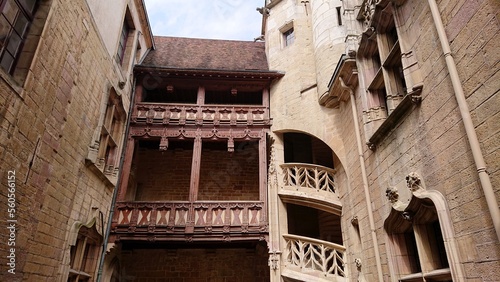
{"type": "Point", "coordinates": [310, 176]}
{"type": "Point", "coordinates": [324, 258]}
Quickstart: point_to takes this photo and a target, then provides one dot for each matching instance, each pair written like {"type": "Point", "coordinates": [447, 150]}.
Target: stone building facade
{"type": "Point", "coordinates": [66, 81]}
{"type": "Point", "coordinates": [385, 86]}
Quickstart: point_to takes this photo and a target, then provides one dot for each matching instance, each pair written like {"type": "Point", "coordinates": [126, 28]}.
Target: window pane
{"type": "Point", "coordinates": [289, 37]}
{"type": "Point", "coordinates": [21, 24]}
{"type": "Point", "coordinates": [29, 5]}
{"type": "Point", "coordinates": [10, 10]}
{"type": "Point", "coordinates": [13, 44]}
{"type": "Point", "coordinates": [4, 31]}
{"type": "Point", "coordinates": [7, 61]}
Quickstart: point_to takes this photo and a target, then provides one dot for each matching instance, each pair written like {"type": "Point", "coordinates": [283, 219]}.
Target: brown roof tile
{"type": "Point", "coordinates": [194, 53]}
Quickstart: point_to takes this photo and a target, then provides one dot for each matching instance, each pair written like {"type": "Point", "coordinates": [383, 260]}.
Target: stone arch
{"type": "Point", "coordinates": [331, 144]}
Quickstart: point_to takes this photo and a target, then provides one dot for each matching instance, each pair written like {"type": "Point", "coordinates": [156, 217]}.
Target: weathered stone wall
{"type": "Point", "coordinates": [294, 98]}
{"type": "Point", "coordinates": [328, 40]}
{"type": "Point", "coordinates": [47, 125]}
{"type": "Point", "coordinates": [431, 138]}
{"type": "Point", "coordinates": [308, 65]}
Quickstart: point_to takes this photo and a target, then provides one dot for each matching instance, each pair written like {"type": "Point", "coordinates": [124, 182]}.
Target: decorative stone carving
{"type": "Point", "coordinates": [413, 181]}
{"type": "Point", "coordinates": [354, 221]}
{"type": "Point", "coordinates": [392, 194]}
{"type": "Point", "coordinates": [274, 259]}
{"type": "Point", "coordinates": [357, 261]}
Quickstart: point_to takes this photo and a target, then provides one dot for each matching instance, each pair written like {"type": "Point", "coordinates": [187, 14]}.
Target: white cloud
{"type": "Point", "coordinates": [214, 19]}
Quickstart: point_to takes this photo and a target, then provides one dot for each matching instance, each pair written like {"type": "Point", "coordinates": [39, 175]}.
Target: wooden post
{"type": "Point", "coordinates": [195, 181]}
{"type": "Point", "coordinates": [127, 165]}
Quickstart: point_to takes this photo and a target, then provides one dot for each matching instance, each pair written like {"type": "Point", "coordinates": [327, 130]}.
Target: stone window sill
{"type": "Point", "coordinates": [106, 175]}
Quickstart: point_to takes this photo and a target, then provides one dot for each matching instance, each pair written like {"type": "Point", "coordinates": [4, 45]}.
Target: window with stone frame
{"type": "Point", "coordinates": [385, 82]}
{"type": "Point", "coordinates": [111, 135]}
{"type": "Point", "coordinates": [84, 255]}
{"type": "Point", "coordinates": [122, 43]}
{"type": "Point", "coordinates": [21, 23]}
{"type": "Point", "coordinates": [125, 41]}
{"type": "Point", "coordinates": [15, 18]}
{"type": "Point", "coordinates": [390, 72]}
{"type": "Point", "coordinates": [417, 245]}
{"type": "Point", "coordinates": [287, 34]}
{"type": "Point", "coordinates": [288, 37]}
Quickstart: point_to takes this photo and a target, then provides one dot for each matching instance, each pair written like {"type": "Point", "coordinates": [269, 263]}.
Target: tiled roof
{"type": "Point", "coordinates": [194, 53]}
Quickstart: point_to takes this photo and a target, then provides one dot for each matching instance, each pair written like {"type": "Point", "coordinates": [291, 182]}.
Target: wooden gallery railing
{"type": "Point", "coordinates": [241, 217]}
{"type": "Point", "coordinates": [156, 113]}
{"type": "Point", "coordinates": [315, 255]}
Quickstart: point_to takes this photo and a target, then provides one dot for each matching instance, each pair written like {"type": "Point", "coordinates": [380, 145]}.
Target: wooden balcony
{"type": "Point", "coordinates": [312, 184]}
{"type": "Point", "coordinates": [190, 221]}
{"type": "Point", "coordinates": [185, 114]}
{"type": "Point", "coordinates": [307, 258]}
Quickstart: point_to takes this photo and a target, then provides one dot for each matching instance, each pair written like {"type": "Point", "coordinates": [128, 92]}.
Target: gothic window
{"type": "Point", "coordinates": [417, 244]}
{"type": "Point", "coordinates": [111, 134]}
{"type": "Point", "coordinates": [386, 83]}
{"type": "Point", "coordinates": [390, 70]}
{"type": "Point", "coordinates": [84, 255]}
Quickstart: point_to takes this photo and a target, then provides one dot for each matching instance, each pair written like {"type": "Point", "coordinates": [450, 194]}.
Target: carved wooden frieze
{"type": "Point", "coordinates": [195, 132]}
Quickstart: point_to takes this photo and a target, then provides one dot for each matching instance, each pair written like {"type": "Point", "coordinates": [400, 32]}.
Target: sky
{"type": "Point", "coordinates": [212, 19]}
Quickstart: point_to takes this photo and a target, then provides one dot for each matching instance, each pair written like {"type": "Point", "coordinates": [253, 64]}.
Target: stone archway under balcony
{"type": "Point", "coordinates": [308, 170]}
